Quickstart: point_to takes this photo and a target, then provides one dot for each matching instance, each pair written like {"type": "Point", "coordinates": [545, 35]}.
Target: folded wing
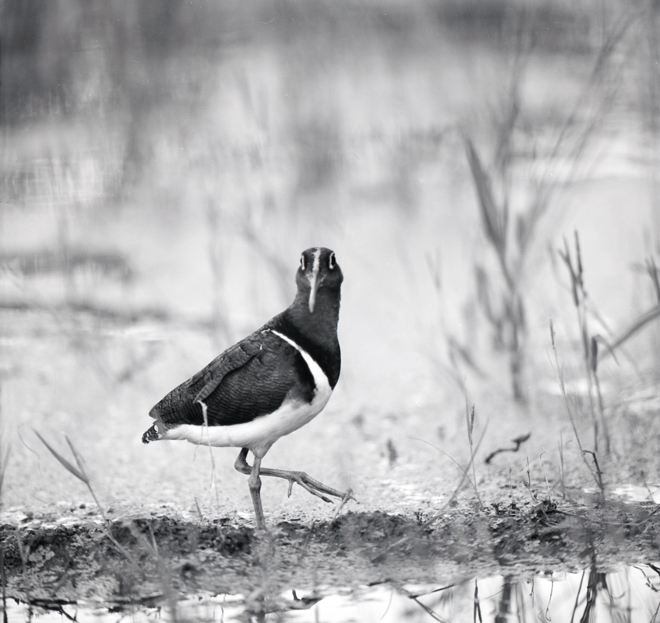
{"type": "Point", "coordinates": [248, 380]}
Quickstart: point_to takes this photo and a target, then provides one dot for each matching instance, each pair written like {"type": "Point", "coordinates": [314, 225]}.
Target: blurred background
{"type": "Point", "coordinates": [165, 163]}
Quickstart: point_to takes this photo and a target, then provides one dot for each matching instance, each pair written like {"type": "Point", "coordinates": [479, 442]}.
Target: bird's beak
{"type": "Point", "coordinates": [314, 283]}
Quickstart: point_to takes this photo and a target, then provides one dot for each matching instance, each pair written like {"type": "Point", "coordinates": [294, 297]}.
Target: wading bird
{"type": "Point", "coordinates": [267, 385]}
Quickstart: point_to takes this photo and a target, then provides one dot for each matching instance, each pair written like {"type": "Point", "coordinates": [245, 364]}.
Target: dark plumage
{"type": "Point", "coordinates": [268, 384]}
{"type": "Point", "coordinates": [247, 381]}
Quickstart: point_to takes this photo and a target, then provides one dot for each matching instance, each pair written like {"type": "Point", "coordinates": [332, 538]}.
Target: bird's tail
{"type": "Point", "coordinates": [151, 435]}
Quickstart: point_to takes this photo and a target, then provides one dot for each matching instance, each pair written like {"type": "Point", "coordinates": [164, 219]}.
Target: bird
{"type": "Point", "coordinates": [267, 385]}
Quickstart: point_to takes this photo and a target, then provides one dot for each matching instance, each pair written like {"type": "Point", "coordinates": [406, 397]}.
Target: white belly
{"type": "Point", "coordinates": [260, 434]}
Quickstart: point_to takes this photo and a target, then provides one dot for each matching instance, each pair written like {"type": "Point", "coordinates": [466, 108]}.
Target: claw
{"type": "Point", "coordinates": [347, 496]}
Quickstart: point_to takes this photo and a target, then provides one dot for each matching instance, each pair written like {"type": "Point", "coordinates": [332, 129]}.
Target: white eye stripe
{"type": "Point", "coordinates": [302, 262]}
{"type": "Point", "coordinates": [331, 261]}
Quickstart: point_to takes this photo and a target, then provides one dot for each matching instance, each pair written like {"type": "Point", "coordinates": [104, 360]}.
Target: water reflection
{"type": "Point", "coordinates": [630, 594]}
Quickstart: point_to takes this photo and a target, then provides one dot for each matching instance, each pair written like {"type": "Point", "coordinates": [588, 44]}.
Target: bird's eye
{"type": "Point", "coordinates": [302, 262]}
{"type": "Point", "coordinates": [331, 261]}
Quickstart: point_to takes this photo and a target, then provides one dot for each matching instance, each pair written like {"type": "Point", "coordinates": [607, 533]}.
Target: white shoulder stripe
{"type": "Point", "coordinates": [320, 378]}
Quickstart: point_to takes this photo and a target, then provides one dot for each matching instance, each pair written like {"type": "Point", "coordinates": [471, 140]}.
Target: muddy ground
{"type": "Point", "coordinates": [154, 558]}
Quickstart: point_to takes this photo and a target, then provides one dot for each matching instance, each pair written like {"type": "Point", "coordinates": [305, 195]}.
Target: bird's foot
{"type": "Point", "coordinates": [308, 483]}
{"type": "Point", "coordinates": [311, 485]}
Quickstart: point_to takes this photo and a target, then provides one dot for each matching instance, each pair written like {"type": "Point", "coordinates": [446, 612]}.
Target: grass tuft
{"type": "Point", "coordinates": [589, 342]}
{"type": "Point", "coordinates": [469, 419]}
{"type": "Point", "coordinates": [559, 371]}
{"type": "Point", "coordinates": [503, 307]}
{"type": "Point", "coordinates": [80, 472]}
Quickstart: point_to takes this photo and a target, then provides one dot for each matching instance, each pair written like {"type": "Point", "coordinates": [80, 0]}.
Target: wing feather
{"type": "Point", "coordinates": [250, 379]}
{"type": "Point", "coordinates": [232, 359]}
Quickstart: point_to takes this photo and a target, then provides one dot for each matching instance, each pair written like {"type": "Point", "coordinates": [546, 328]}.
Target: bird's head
{"type": "Point", "coordinates": [318, 271]}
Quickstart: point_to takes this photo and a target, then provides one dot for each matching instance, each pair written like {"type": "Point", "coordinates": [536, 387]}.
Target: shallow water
{"type": "Point", "coordinates": [630, 593]}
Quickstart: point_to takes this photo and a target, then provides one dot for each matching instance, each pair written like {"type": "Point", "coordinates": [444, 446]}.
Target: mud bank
{"type": "Point", "coordinates": [150, 559]}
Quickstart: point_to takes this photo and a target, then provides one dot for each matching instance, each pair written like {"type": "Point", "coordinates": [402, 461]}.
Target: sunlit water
{"type": "Point", "coordinates": [630, 594]}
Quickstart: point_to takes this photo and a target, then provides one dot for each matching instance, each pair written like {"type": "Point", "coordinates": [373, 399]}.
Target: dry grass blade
{"type": "Point", "coordinates": [589, 342]}
{"type": "Point", "coordinates": [432, 591]}
{"type": "Point", "coordinates": [469, 415]}
{"type": "Point", "coordinates": [80, 473]}
{"type": "Point", "coordinates": [66, 464]}
{"type": "Point", "coordinates": [566, 256]}
{"type": "Point", "coordinates": [654, 273]}
{"type": "Point", "coordinates": [578, 259]}
{"type": "Point", "coordinates": [476, 609]}
{"type": "Point", "coordinates": [559, 371]}
{"type": "Point", "coordinates": [489, 211]}
{"type": "Point", "coordinates": [636, 326]}
{"type": "Point", "coordinates": [432, 613]}
{"type": "Point", "coordinates": [469, 419]}
{"type": "Point", "coordinates": [599, 474]}
{"type": "Point", "coordinates": [5, 451]}
{"type": "Point", "coordinates": [79, 461]}
{"type": "Point", "coordinates": [507, 317]}
{"type": "Point", "coordinates": [608, 346]}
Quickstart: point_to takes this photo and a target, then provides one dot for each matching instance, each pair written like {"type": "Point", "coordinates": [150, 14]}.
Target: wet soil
{"type": "Point", "coordinates": [161, 555]}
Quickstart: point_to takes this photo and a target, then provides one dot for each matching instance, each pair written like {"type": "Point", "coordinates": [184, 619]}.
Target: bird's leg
{"type": "Point", "coordinates": [254, 482]}
{"type": "Point", "coordinates": [241, 464]}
